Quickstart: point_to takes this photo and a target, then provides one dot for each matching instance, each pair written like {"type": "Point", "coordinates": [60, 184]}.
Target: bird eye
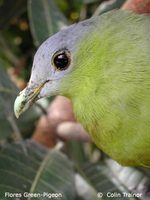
{"type": "Point", "coordinates": [61, 60]}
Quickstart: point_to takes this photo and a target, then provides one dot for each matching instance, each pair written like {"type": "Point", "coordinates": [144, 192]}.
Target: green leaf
{"type": "Point", "coordinates": [63, 5]}
{"type": "Point", "coordinates": [45, 19]}
{"type": "Point", "coordinates": [8, 92]}
{"type": "Point", "coordinates": [75, 151]}
{"type": "Point", "coordinates": [12, 8]}
{"type": "Point", "coordinates": [29, 167]}
{"type": "Point", "coordinates": [89, 1]}
{"type": "Point", "coordinates": [110, 178]}
{"type": "Point", "coordinates": [8, 123]}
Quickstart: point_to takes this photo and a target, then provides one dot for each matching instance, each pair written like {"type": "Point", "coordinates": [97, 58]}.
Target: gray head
{"type": "Point", "coordinates": [52, 62]}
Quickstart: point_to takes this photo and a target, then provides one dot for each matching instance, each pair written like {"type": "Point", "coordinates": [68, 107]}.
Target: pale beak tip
{"type": "Point", "coordinates": [26, 98]}
{"type": "Point", "coordinates": [17, 115]}
{"type": "Point", "coordinates": [19, 104]}
{"type": "Point", "coordinates": [17, 107]}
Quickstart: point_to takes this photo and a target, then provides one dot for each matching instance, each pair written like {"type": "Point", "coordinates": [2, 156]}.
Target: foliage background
{"type": "Point", "coordinates": [76, 170]}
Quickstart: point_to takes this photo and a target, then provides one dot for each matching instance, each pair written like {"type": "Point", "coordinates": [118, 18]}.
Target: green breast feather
{"type": "Point", "coordinates": [106, 74]}
{"type": "Point", "coordinates": [111, 97]}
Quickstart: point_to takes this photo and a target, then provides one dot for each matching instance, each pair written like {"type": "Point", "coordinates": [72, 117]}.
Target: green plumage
{"type": "Point", "coordinates": [108, 81]}
{"type": "Point", "coordinates": [110, 86]}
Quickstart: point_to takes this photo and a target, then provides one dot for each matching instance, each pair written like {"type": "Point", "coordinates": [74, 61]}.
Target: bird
{"type": "Point", "coordinates": [102, 65]}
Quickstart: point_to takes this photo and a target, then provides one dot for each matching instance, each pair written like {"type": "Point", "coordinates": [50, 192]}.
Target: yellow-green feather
{"type": "Point", "coordinates": [110, 86]}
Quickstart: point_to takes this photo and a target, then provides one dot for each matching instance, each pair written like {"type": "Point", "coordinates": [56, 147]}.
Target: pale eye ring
{"type": "Point", "coordinates": [61, 59]}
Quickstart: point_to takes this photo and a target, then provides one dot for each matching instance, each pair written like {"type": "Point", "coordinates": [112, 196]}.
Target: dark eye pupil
{"type": "Point", "coordinates": [61, 61]}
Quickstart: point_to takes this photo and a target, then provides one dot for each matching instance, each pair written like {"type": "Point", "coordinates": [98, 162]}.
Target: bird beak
{"type": "Point", "coordinates": [26, 98]}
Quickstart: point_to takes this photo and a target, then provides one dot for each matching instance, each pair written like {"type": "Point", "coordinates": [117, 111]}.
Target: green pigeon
{"type": "Point", "coordinates": [103, 65]}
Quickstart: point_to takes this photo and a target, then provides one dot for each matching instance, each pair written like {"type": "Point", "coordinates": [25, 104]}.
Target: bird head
{"type": "Point", "coordinates": [54, 60]}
